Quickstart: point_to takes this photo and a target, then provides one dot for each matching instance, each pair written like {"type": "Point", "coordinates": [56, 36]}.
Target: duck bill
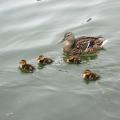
{"type": "Point", "coordinates": [104, 42]}
{"type": "Point", "coordinates": [62, 40]}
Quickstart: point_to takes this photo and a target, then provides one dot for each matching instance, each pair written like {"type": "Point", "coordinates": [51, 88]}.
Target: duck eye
{"type": "Point", "coordinates": [67, 35]}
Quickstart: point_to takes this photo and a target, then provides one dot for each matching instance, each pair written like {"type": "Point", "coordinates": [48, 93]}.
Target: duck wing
{"type": "Point", "coordinates": [87, 44]}
{"type": "Point", "coordinates": [79, 46]}
{"type": "Point", "coordinates": [92, 42]}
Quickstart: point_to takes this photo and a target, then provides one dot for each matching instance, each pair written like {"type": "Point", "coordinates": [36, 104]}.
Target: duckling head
{"type": "Point", "coordinates": [40, 58]}
{"type": "Point", "coordinates": [69, 40]}
{"type": "Point", "coordinates": [86, 73]}
{"type": "Point", "coordinates": [73, 59]}
{"type": "Point", "coordinates": [23, 62]}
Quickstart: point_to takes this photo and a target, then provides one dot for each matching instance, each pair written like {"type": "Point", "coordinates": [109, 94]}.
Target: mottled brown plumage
{"type": "Point", "coordinates": [73, 59]}
{"type": "Point", "coordinates": [25, 67]}
{"type": "Point", "coordinates": [89, 75]}
{"type": "Point", "coordinates": [44, 60]}
{"type": "Point", "coordinates": [81, 45]}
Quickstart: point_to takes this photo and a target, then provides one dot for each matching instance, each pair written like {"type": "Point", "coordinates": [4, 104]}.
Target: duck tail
{"type": "Point", "coordinates": [104, 42]}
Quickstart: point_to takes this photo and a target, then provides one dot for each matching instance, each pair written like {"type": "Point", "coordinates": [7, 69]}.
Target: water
{"type": "Point", "coordinates": [57, 92]}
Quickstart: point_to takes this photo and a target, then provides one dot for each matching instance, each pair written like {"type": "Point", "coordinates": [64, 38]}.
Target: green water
{"type": "Point", "coordinates": [30, 28]}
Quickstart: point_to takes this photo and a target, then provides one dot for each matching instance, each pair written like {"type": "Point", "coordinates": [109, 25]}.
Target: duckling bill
{"type": "Point", "coordinates": [44, 60]}
{"type": "Point", "coordinates": [25, 67]}
{"type": "Point", "coordinates": [90, 76]}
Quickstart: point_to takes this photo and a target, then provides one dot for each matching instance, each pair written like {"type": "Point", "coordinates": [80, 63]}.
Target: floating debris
{"type": "Point", "coordinates": [88, 20]}
{"type": "Point", "coordinates": [38, 0]}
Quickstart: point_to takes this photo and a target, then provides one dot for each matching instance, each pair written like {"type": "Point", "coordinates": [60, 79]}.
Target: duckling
{"type": "Point", "coordinates": [25, 67]}
{"type": "Point", "coordinates": [91, 76]}
{"type": "Point", "coordinates": [73, 59]}
{"type": "Point", "coordinates": [83, 44]}
{"type": "Point", "coordinates": [44, 60]}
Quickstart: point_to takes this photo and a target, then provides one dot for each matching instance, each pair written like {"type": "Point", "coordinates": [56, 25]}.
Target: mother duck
{"type": "Point", "coordinates": [83, 44]}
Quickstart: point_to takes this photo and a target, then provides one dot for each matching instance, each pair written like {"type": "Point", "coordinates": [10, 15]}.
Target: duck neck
{"type": "Point", "coordinates": [68, 44]}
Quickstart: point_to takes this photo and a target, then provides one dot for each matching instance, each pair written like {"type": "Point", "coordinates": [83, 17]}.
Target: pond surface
{"type": "Point", "coordinates": [58, 92]}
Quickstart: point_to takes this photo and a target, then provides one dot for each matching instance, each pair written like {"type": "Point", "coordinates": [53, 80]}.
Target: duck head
{"type": "Point", "coordinates": [69, 40]}
{"type": "Point", "coordinates": [69, 35]}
